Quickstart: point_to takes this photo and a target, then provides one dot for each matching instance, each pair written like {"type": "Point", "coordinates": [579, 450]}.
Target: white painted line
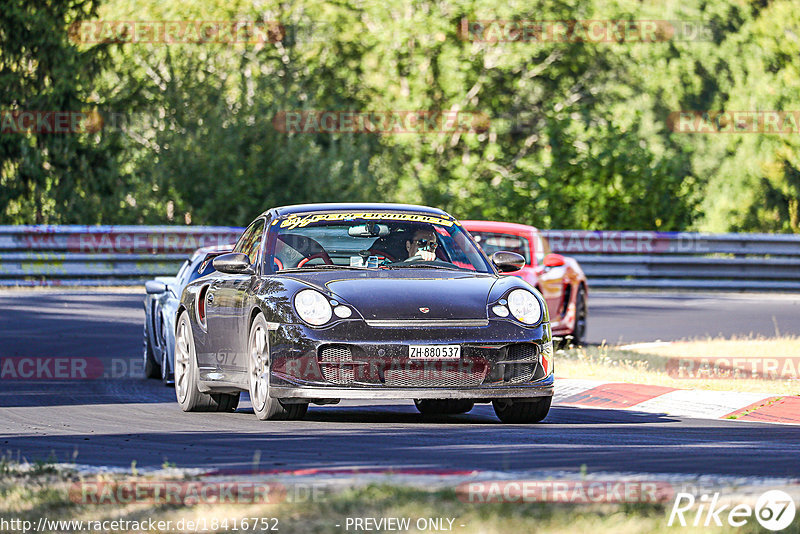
{"type": "Point", "coordinates": [566, 387]}
{"type": "Point", "coordinates": [697, 403]}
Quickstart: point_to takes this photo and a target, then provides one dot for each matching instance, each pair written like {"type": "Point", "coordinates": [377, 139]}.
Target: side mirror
{"type": "Point", "coordinates": [507, 262]}
{"type": "Point", "coordinates": [554, 260]}
{"type": "Point", "coordinates": [233, 263]}
{"type": "Point", "coordinates": [154, 287]}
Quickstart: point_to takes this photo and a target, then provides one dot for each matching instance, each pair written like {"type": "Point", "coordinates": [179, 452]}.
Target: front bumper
{"type": "Point", "coordinates": [543, 388]}
{"type": "Point", "coordinates": [353, 360]}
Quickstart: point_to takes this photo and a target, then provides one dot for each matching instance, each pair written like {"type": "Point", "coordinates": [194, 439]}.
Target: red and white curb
{"type": "Point", "coordinates": [703, 404]}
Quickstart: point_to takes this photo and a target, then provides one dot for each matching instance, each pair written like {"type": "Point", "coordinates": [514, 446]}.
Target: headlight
{"type": "Point", "coordinates": [312, 307]}
{"type": "Point", "coordinates": [524, 306]}
{"type": "Point", "coordinates": [500, 311]}
{"type": "Point", "coordinates": [342, 312]}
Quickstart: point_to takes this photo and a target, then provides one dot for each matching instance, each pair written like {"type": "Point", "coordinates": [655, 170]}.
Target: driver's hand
{"type": "Point", "coordinates": [426, 255]}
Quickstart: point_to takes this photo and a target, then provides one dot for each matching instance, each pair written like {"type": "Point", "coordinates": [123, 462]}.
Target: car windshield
{"type": "Point", "coordinates": [371, 240]}
{"type": "Point", "coordinates": [183, 273]}
{"type": "Point", "coordinates": [492, 242]}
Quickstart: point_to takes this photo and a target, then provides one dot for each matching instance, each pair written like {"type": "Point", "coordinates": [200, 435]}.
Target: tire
{"type": "Point", "coordinates": [151, 368]}
{"type": "Point", "coordinates": [522, 412]}
{"type": "Point", "coordinates": [579, 328]}
{"type": "Point", "coordinates": [226, 402]}
{"type": "Point", "coordinates": [264, 406]}
{"type": "Point", "coordinates": [443, 406]}
{"type": "Point", "coordinates": [187, 376]}
{"type": "Point", "coordinates": [166, 371]}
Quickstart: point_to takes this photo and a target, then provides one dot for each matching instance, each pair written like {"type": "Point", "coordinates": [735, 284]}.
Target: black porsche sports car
{"type": "Point", "coordinates": [323, 302]}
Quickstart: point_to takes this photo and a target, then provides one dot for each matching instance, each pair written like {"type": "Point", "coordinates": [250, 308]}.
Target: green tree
{"type": "Point", "coordinates": [753, 183]}
{"type": "Point", "coordinates": [52, 177]}
{"type": "Point", "coordinates": [579, 132]}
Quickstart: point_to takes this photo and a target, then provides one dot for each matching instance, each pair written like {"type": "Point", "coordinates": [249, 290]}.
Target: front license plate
{"type": "Point", "coordinates": [434, 352]}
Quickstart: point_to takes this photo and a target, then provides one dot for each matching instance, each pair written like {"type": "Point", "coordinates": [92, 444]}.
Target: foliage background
{"type": "Point", "coordinates": [578, 138]}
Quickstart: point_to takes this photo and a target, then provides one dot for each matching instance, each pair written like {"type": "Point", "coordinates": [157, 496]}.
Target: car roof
{"type": "Point", "coordinates": [353, 206]}
{"type": "Point", "coordinates": [497, 226]}
{"type": "Point", "coordinates": [202, 251]}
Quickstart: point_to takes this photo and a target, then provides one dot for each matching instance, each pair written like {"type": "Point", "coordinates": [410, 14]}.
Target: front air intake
{"type": "Point", "coordinates": [520, 363]}
{"type": "Point", "coordinates": [335, 361]}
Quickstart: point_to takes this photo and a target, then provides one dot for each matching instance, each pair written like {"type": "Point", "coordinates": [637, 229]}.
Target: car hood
{"type": "Point", "coordinates": [405, 294]}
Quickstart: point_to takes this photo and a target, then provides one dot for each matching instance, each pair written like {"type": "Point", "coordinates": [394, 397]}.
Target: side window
{"type": "Point", "coordinates": [250, 242]}
{"type": "Point", "coordinates": [248, 233]}
{"type": "Point", "coordinates": [542, 248]}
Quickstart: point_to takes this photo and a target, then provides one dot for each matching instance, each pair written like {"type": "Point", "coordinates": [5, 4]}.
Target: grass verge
{"type": "Point", "coordinates": [31, 494]}
{"type": "Point", "coordinates": [714, 364]}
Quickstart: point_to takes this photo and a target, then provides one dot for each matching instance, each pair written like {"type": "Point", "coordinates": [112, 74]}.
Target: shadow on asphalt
{"type": "Point", "coordinates": [393, 436]}
{"type": "Point", "coordinates": [50, 327]}
{"type": "Point", "coordinates": [33, 393]}
{"type": "Point", "coordinates": [482, 414]}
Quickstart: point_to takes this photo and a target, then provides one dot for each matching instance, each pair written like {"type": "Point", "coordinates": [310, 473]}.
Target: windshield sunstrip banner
{"type": "Point", "coordinates": [295, 221]}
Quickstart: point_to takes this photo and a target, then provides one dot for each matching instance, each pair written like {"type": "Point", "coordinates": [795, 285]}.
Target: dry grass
{"type": "Point", "coordinates": [656, 363]}
{"type": "Point", "coordinates": [741, 347]}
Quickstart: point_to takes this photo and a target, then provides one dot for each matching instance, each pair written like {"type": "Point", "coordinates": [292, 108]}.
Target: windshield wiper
{"type": "Point", "coordinates": [423, 266]}
{"type": "Point", "coordinates": [324, 266]}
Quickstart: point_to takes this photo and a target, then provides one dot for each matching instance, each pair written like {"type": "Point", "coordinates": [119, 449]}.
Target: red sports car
{"type": "Point", "coordinates": [558, 278]}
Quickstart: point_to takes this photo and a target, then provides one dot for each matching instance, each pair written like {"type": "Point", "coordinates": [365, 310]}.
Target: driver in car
{"type": "Point", "coordinates": [422, 246]}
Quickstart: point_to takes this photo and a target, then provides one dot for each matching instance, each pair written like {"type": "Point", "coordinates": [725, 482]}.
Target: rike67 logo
{"type": "Point", "coordinates": [774, 510]}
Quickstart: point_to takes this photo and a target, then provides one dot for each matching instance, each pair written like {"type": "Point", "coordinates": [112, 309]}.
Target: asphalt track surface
{"type": "Point", "coordinates": [116, 421]}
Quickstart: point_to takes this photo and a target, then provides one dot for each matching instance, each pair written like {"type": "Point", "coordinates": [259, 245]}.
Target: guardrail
{"type": "Point", "coordinates": [683, 260]}
{"type": "Point", "coordinates": [129, 255]}
{"type": "Point", "coordinates": [100, 255]}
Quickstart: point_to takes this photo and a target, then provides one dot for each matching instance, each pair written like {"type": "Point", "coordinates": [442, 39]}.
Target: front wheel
{"type": "Point", "coordinates": [579, 329]}
{"type": "Point", "coordinates": [151, 369]}
{"type": "Point", "coordinates": [166, 362]}
{"type": "Point", "coordinates": [517, 412]}
{"type": "Point", "coordinates": [264, 406]}
{"type": "Point", "coordinates": [166, 375]}
{"type": "Point", "coordinates": [443, 406]}
{"type": "Point", "coordinates": [187, 376]}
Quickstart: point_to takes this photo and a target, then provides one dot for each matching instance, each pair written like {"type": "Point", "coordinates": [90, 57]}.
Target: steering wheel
{"type": "Point", "coordinates": [381, 254]}
{"type": "Point", "coordinates": [278, 263]}
{"type": "Point", "coordinates": [323, 255]}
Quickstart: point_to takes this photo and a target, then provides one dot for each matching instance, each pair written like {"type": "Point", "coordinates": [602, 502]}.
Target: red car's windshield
{"type": "Point", "coordinates": [492, 242]}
